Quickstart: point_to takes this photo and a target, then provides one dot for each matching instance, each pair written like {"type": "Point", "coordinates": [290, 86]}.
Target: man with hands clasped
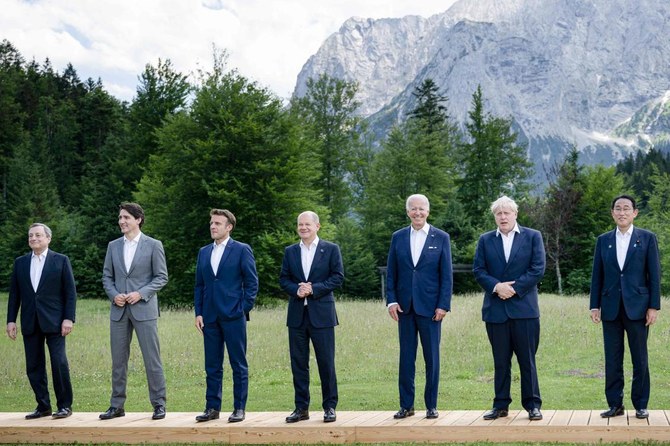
{"type": "Point", "coordinates": [509, 263]}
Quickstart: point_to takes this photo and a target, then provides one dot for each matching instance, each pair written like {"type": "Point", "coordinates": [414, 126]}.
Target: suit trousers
{"type": "Point", "coordinates": [522, 338]}
{"type": "Point", "coordinates": [411, 328]}
{"type": "Point", "coordinates": [323, 340]}
{"type": "Point", "coordinates": [219, 335]}
{"type": "Point", "coordinates": [613, 334]}
{"type": "Point", "coordinates": [36, 368]}
{"type": "Point", "coordinates": [121, 335]}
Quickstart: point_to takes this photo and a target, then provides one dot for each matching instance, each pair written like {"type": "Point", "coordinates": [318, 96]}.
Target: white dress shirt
{"type": "Point", "coordinates": [508, 240]}
{"type": "Point", "coordinates": [129, 249]}
{"type": "Point", "coordinates": [307, 253]}
{"type": "Point", "coordinates": [622, 242]}
{"type": "Point", "coordinates": [36, 267]}
{"type": "Point", "coordinates": [217, 253]}
{"type": "Point", "coordinates": [417, 240]}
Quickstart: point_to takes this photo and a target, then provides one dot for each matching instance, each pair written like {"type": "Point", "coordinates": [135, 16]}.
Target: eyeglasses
{"type": "Point", "coordinates": [624, 210]}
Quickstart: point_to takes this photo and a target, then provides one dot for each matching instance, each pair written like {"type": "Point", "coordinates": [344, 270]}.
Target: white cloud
{"type": "Point", "coordinates": [267, 40]}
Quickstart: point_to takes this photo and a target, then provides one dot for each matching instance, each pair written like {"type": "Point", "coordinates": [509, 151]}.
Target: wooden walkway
{"type": "Point", "coordinates": [583, 426]}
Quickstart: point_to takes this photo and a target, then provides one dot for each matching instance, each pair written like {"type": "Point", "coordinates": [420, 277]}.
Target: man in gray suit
{"type": "Point", "coordinates": [134, 271]}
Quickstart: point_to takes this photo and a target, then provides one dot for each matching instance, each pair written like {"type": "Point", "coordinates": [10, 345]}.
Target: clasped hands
{"type": "Point", "coordinates": [304, 289]}
{"type": "Point", "coordinates": [504, 290]}
{"type": "Point", "coordinates": [132, 298]}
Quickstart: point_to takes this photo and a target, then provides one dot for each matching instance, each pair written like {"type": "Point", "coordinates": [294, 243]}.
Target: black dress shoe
{"type": "Point", "coordinates": [298, 415]}
{"type": "Point", "coordinates": [534, 414]}
{"type": "Point", "coordinates": [404, 413]}
{"type": "Point", "coordinates": [329, 415]}
{"type": "Point", "coordinates": [113, 412]}
{"type": "Point", "coordinates": [236, 416]}
{"type": "Point", "coordinates": [159, 412]}
{"type": "Point", "coordinates": [63, 413]}
{"type": "Point", "coordinates": [641, 413]}
{"type": "Point", "coordinates": [38, 414]}
{"type": "Point", "coordinates": [613, 411]}
{"type": "Point", "coordinates": [495, 413]}
{"type": "Point", "coordinates": [208, 415]}
{"type": "Point", "coordinates": [432, 413]}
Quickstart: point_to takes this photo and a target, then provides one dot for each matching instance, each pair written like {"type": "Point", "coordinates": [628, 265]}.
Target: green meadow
{"type": "Point", "coordinates": [570, 361]}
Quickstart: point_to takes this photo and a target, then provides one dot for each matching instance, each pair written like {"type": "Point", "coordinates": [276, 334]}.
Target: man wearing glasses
{"type": "Point", "coordinates": [626, 295]}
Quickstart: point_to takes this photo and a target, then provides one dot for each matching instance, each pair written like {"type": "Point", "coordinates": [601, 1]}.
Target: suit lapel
{"type": "Point", "coordinates": [224, 256]}
{"type": "Point", "coordinates": [430, 241]}
{"type": "Point", "coordinates": [611, 250]}
{"type": "Point", "coordinates": [519, 239]}
{"type": "Point", "coordinates": [498, 246]}
{"type": "Point", "coordinates": [141, 246]}
{"type": "Point", "coordinates": [631, 247]}
{"type": "Point", "coordinates": [318, 255]}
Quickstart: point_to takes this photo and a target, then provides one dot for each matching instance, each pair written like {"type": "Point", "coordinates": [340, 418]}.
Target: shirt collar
{"type": "Point", "coordinates": [222, 244]}
{"type": "Point", "coordinates": [629, 232]}
{"type": "Point", "coordinates": [314, 243]}
{"type": "Point", "coordinates": [136, 239]}
{"type": "Point", "coordinates": [425, 229]}
{"type": "Point", "coordinates": [516, 229]}
{"type": "Point", "coordinates": [43, 255]}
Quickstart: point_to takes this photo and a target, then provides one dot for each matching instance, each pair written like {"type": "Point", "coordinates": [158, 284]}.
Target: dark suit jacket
{"type": "Point", "coordinates": [326, 274]}
{"type": "Point", "coordinates": [427, 286]}
{"type": "Point", "coordinates": [638, 284]}
{"type": "Point", "coordinates": [525, 267]}
{"type": "Point", "coordinates": [231, 293]}
{"type": "Point", "coordinates": [54, 301]}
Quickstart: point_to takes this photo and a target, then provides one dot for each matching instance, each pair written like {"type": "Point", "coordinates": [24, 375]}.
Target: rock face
{"type": "Point", "coordinates": [595, 74]}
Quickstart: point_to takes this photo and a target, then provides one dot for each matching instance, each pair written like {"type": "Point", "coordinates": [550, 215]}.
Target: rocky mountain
{"type": "Point", "coordinates": [593, 73]}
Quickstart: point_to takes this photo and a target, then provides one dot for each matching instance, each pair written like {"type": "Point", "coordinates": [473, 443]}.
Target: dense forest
{"type": "Point", "coordinates": [70, 153]}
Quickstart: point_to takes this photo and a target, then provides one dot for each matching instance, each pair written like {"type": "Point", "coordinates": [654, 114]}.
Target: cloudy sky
{"type": "Point", "coordinates": [268, 41]}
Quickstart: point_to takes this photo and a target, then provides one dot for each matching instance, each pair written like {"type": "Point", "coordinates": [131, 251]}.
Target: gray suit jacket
{"type": "Point", "coordinates": [147, 275]}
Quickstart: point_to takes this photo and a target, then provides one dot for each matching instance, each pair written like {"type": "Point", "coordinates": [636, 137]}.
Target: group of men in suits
{"type": "Point", "coordinates": [509, 263]}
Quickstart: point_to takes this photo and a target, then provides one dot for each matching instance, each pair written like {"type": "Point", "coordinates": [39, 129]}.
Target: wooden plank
{"type": "Point", "coordinates": [621, 420]}
{"type": "Point", "coordinates": [659, 417]}
{"type": "Point", "coordinates": [580, 418]}
{"type": "Point", "coordinates": [547, 415]}
{"type": "Point", "coordinates": [561, 418]}
{"type": "Point", "coordinates": [597, 420]}
{"type": "Point", "coordinates": [520, 419]}
{"type": "Point", "coordinates": [379, 418]}
{"type": "Point", "coordinates": [579, 426]}
{"type": "Point", "coordinates": [451, 417]}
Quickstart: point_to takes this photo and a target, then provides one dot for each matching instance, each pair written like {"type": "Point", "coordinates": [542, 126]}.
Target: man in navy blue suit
{"type": "Point", "coordinates": [226, 284]}
{"type": "Point", "coordinates": [42, 286]}
{"type": "Point", "coordinates": [419, 287]}
{"type": "Point", "coordinates": [509, 263]}
{"type": "Point", "coordinates": [626, 295]}
{"type": "Point", "coordinates": [310, 272]}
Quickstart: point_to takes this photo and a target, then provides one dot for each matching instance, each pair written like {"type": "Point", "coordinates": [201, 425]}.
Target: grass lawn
{"type": "Point", "coordinates": [570, 361]}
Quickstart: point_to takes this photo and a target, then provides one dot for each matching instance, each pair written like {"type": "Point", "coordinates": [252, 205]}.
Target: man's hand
{"type": "Point", "coordinates": [394, 309]}
{"type": "Point", "coordinates": [595, 315]}
{"type": "Point", "coordinates": [133, 298]}
{"type": "Point", "coordinates": [304, 290]}
{"type": "Point", "coordinates": [120, 300]}
{"type": "Point", "coordinates": [11, 330]}
{"type": "Point", "coordinates": [66, 327]}
{"type": "Point", "coordinates": [505, 290]}
{"type": "Point", "coordinates": [199, 324]}
{"type": "Point", "coordinates": [439, 314]}
{"type": "Point", "coordinates": [652, 313]}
